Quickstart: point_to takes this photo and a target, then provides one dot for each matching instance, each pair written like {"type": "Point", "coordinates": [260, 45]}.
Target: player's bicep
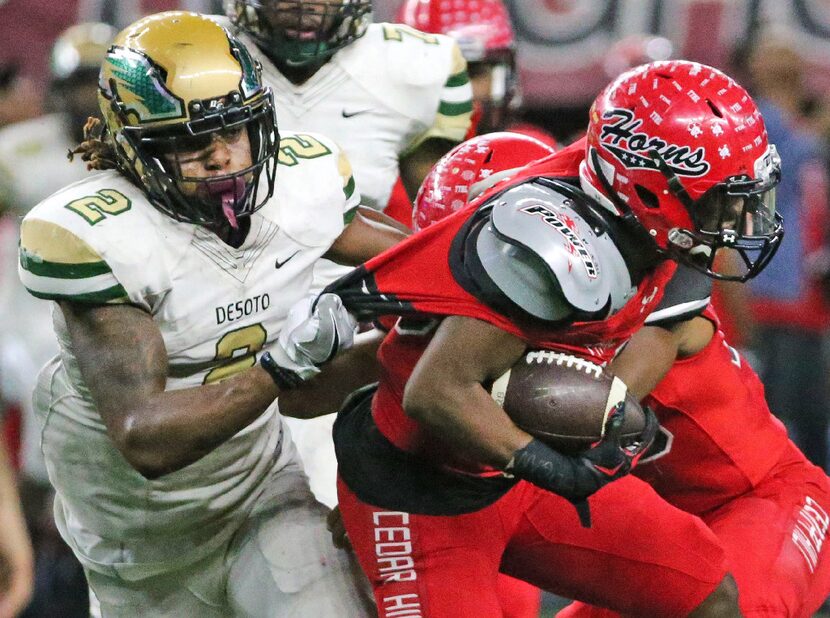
{"type": "Point", "coordinates": [367, 234]}
{"type": "Point", "coordinates": [121, 355]}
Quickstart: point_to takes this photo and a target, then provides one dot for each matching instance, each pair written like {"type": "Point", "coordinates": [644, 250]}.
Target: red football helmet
{"type": "Point", "coordinates": [470, 168]}
{"type": "Point", "coordinates": [683, 148]}
{"type": "Point", "coordinates": [485, 35]}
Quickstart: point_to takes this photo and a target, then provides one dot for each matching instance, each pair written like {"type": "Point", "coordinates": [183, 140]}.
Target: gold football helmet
{"type": "Point", "coordinates": [169, 84]}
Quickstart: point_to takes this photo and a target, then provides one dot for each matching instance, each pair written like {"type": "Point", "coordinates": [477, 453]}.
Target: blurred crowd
{"type": "Point", "coordinates": [780, 320]}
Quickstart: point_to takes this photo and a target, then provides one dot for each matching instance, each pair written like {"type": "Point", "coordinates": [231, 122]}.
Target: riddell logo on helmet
{"type": "Point", "coordinates": [631, 147]}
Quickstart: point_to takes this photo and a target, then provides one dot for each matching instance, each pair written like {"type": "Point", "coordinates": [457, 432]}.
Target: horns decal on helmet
{"type": "Point", "coordinates": [632, 148]}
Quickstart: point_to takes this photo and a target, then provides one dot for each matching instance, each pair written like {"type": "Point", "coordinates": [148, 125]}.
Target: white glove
{"type": "Point", "coordinates": [310, 338]}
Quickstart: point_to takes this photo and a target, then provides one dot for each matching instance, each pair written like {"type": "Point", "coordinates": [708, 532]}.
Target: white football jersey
{"type": "Point", "coordinates": [379, 98]}
{"type": "Point", "coordinates": [216, 306]}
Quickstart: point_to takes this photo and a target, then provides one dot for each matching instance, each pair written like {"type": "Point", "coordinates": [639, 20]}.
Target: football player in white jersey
{"type": "Point", "coordinates": [179, 488]}
{"type": "Point", "coordinates": [395, 98]}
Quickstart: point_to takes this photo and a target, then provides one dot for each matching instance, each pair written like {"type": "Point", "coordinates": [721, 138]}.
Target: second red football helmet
{"type": "Point", "coordinates": [469, 168]}
{"type": "Point", "coordinates": [683, 148]}
{"type": "Point", "coordinates": [484, 33]}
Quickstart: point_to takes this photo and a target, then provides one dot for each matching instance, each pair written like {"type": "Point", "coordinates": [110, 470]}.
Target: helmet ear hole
{"type": "Point", "coordinates": [715, 109]}
{"type": "Point", "coordinates": [647, 197]}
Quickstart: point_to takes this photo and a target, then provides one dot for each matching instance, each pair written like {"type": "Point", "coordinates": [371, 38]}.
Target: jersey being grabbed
{"type": "Point", "coordinates": [431, 275]}
{"type": "Point", "coordinates": [100, 241]}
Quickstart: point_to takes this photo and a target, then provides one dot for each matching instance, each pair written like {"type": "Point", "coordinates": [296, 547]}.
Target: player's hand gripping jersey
{"type": "Point", "coordinates": [379, 97]}
{"type": "Point", "coordinates": [217, 307]}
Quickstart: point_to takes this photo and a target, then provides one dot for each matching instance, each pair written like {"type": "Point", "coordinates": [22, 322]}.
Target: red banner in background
{"type": "Point", "coordinates": [563, 44]}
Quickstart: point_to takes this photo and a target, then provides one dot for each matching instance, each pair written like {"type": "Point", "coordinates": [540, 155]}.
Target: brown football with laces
{"type": "Point", "coordinates": [564, 400]}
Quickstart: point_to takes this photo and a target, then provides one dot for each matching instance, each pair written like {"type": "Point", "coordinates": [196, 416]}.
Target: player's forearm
{"type": "Point", "coordinates": [369, 234]}
{"type": "Point", "coordinates": [645, 360]}
{"type": "Point", "coordinates": [468, 418]}
{"type": "Point", "coordinates": [170, 430]}
{"type": "Point", "coordinates": [325, 393]}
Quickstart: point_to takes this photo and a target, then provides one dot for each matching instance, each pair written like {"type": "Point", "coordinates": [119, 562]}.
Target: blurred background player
{"type": "Point", "coordinates": [34, 164]}
{"type": "Point", "coordinates": [16, 555]}
{"type": "Point", "coordinates": [782, 317]}
{"type": "Point", "coordinates": [393, 98]}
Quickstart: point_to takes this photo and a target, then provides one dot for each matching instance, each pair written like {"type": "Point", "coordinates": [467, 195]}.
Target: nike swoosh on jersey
{"type": "Point", "coordinates": [350, 114]}
{"type": "Point", "coordinates": [279, 264]}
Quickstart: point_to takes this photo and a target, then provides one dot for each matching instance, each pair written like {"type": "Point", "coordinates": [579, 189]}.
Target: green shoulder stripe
{"type": "Point", "coordinates": [58, 270]}
{"type": "Point", "coordinates": [459, 79]}
{"type": "Point", "coordinates": [349, 215]}
{"type": "Point", "coordinates": [455, 109]}
{"type": "Point", "coordinates": [115, 293]}
{"type": "Point", "coordinates": [349, 188]}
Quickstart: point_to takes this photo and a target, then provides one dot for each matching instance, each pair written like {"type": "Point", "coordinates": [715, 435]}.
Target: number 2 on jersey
{"type": "Point", "coordinates": [96, 207]}
{"type": "Point", "coordinates": [396, 32]}
{"type": "Point", "coordinates": [300, 147]}
{"type": "Point", "coordinates": [241, 344]}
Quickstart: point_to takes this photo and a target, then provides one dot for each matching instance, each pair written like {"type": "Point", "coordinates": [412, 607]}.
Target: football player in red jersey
{"type": "Point", "coordinates": [539, 263]}
{"type": "Point", "coordinates": [721, 454]}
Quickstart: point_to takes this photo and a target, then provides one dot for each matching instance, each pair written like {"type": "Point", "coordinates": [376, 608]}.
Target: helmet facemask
{"type": "Point", "coordinates": [153, 155]}
{"type": "Point", "coordinates": [736, 227]}
{"type": "Point", "coordinates": [493, 110]}
{"type": "Point", "coordinates": [298, 32]}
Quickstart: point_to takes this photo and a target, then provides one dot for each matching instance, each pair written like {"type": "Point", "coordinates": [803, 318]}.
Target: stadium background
{"type": "Point", "coordinates": [563, 51]}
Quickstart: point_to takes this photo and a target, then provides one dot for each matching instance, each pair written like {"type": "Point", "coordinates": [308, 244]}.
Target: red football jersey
{"type": "Point", "coordinates": [416, 278]}
{"type": "Point", "coordinates": [721, 439]}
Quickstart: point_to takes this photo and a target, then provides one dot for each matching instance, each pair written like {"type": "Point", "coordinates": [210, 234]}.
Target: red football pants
{"type": "Point", "coordinates": [442, 566]}
{"type": "Point", "coordinates": [774, 539]}
{"type": "Point", "coordinates": [518, 599]}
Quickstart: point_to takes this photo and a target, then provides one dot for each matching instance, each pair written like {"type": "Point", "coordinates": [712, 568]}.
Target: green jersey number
{"type": "Point", "coordinates": [396, 32]}
{"type": "Point", "coordinates": [300, 147]}
{"type": "Point", "coordinates": [95, 208]}
{"type": "Point", "coordinates": [238, 349]}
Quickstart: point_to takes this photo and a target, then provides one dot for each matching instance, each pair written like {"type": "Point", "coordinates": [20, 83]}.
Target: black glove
{"type": "Point", "coordinates": [579, 476]}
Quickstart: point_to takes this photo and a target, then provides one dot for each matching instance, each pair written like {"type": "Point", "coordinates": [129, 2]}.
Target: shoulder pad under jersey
{"type": "Point", "coordinates": [418, 75]}
{"type": "Point", "coordinates": [99, 241]}
{"type": "Point", "coordinates": [315, 194]}
{"type": "Point", "coordinates": [542, 252]}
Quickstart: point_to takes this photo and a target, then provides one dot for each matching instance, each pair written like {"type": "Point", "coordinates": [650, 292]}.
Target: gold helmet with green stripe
{"type": "Point", "coordinates": [172, 83]}
{"type": "Point", "coordinates": [301, 32]}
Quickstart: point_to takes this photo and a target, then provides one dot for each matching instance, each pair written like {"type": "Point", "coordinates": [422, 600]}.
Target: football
{"type": "Point", "coordinates": [564, 400]}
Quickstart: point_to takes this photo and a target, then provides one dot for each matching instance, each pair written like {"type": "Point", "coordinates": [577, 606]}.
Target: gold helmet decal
{"type": "Point", "coordinates": [164, 62]}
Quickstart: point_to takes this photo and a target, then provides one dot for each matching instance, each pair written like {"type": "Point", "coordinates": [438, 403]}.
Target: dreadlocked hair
{"type": "Point", "coordinates": [97, 148]}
